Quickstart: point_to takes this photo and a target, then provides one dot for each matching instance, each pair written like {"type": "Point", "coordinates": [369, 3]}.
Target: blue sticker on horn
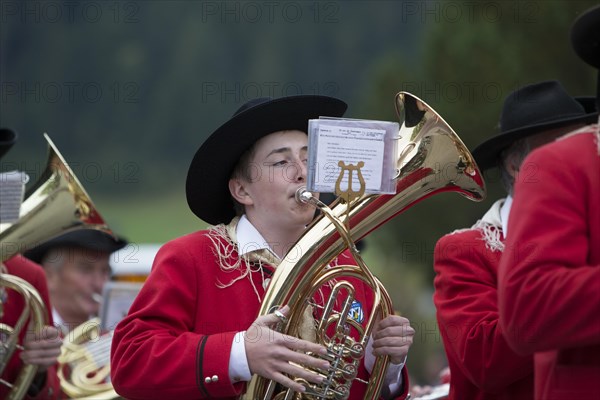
{"type": "Point", "coordinates": [356, 312]}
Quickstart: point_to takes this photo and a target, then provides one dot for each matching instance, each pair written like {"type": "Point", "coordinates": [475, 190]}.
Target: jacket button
{"type": "Point", "coordinates": [207, 379]}
{"type": "Point", "coordinates": [215, 378]}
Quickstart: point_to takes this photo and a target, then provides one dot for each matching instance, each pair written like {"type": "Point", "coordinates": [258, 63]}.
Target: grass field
{"type": "Point", "coordinates": [148, 219]}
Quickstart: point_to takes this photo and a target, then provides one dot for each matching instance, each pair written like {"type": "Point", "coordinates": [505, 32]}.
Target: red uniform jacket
{"type": "Point", "coordinates": [34, 274]}
{"type": "Point", "coordinates": [550, 272]}
{"type": "Point", "coordinates": [181, 326]}
{"type": "Point", "coordinates": [482, 365]}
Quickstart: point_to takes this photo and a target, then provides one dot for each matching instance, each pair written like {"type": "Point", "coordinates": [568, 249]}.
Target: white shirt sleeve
{"type": "Point", "coordinates": [393, 376]}
{"type": "Point", "coordinates": [238, 362]}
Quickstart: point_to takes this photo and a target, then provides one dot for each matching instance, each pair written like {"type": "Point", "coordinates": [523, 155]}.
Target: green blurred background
{"type": "Point", "coordinates": [128, 90]}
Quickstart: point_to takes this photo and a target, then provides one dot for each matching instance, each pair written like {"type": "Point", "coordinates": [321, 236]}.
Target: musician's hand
{"type": "Point", "coordinates": [444, 375]}
{"type": "Point", "coordinates": [270, 353]}
{"type": "Point", "coordinates": [417, 390]}
{"type": "Point", "coordinates": [392, 337]}
{"type": "Point", "coordinates": [41, 348]}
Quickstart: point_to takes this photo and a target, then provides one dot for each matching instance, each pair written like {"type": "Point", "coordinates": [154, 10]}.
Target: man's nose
{"type": "Point", "coordinates": [302, 172]}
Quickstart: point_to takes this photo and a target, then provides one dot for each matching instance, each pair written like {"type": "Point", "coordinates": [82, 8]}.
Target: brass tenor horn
{"type": "Point", "coordinates": [431, 159]}
{"type": "Point", "coordinates": [56, 204]}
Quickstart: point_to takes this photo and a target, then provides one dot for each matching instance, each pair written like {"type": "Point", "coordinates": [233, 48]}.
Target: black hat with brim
{"type": "Point", "coordinates": [8, 137]}
{"type": "Point", "coordinates": [585, 36]}
{"type": "Point", "coordinates": [530, 110]}
{"type": "Point", "coordinates": [207, 187]}
{"type": "Point", "coordinates": [90, 239]}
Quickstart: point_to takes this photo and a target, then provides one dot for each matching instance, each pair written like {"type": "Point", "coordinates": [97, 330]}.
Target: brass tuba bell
{"type": "Point", "coordinates": [56, 204]}
{"type": "Point", "coordinates": [431, 159]}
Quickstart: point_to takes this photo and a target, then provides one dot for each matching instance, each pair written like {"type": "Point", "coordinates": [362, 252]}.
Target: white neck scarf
{"type": "Point", "coordinates": [493, 224]}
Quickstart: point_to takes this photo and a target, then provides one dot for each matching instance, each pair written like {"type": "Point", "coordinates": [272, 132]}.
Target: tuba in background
{"type": "Point", "coordinates": [84, 363]}
{"type": "Point", "coordinates": [56, 204]}
{"type": "Point", "coordinates": [431, 159]}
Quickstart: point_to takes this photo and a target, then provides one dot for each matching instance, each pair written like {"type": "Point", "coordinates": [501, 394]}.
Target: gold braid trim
{"type": "Point", "coordinates": [224, 242]}
{"type": "Point", "coordinates": [490, 226]}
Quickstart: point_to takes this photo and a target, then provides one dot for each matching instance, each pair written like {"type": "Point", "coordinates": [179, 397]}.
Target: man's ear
{"type": "Point", "coordinates": [514, 165]}
{"type": "Point", "coordinates": [238, 191]}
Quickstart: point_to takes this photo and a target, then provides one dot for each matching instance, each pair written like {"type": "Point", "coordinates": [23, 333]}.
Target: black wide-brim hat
{"type": "Point", "coordinates": [585, 36]}
{"type": "Point", "coordinates": [90, 239]}
{"type": "Point", "coordinates": [207, 184]}
{"type": "Point", "coordinates": [8, 137]}
{"type": "Point", "coordinates": [532, 109]}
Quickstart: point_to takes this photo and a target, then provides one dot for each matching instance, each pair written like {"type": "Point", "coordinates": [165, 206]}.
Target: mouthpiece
{"type": "Point", "coordinates": [97, 297]}
{"type": "Point", "coordinates": [303, 196]}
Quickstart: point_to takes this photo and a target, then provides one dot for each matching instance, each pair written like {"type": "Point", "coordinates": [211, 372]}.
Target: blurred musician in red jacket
{"type": "Point", "coordinates": [40, 348]}
{"type": "Point", "coordinates": [549, 275]}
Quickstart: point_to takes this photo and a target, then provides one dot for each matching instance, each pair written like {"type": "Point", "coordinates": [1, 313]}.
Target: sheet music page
{"type": "Point", "coordinates": [117, 297]}
{"type": "Point", "coordinates": [12, 189]}
{"type": "Point", "coordinates": [351, 142]}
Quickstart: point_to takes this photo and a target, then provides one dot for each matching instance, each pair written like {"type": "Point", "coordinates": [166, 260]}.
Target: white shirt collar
{"type": "Point", "coordinates": [249, 238]}
{"type": "Point", "coordinates": [504, 213]}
